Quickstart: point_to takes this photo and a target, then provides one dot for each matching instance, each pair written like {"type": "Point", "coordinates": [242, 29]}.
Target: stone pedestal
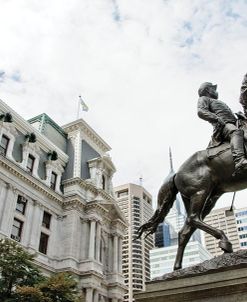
{"type": "Point", "coordinates": [221, 279]}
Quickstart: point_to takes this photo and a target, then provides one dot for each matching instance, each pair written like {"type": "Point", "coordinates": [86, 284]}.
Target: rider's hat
{"type": "Point", "coordinates": [204, 87]}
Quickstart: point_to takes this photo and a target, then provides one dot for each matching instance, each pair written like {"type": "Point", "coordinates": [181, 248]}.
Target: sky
{"type": "Point", "coordinates": [136, 63]}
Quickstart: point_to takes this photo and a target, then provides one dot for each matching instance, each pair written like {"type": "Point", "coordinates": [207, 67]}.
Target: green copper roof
{"type": "Point", "coordinates": [44, 119]}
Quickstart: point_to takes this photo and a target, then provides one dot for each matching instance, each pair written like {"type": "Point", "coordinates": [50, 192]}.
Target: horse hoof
{"type": "Point", "coordinates": [226, 246]}
{"type": "Point", "coordinates": [177, 267]}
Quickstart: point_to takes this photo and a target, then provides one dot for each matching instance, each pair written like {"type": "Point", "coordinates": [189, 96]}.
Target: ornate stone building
{"type": "Point", "coordinates": [56, 199]}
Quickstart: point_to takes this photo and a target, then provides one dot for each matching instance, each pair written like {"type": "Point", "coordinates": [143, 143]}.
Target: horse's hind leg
{"type": "Point", "coordinates": [183, 238]}
{"type": "Point", "coordinates": [195, 217]}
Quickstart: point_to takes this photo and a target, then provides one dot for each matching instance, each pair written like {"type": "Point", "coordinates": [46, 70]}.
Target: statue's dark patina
{"type": "Point", "coordinates": [202, 179]}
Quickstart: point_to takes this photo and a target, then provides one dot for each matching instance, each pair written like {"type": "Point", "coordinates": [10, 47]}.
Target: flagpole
{"type": "Point", "coordinates": [78, 107]}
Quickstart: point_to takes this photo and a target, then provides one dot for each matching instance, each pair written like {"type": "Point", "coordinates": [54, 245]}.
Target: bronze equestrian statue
{"type": "Point", "coordinates": [207, 174]}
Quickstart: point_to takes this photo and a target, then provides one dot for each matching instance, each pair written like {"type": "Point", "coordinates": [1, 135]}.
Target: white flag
{"type": "Point", "coordinates": [83, 104]}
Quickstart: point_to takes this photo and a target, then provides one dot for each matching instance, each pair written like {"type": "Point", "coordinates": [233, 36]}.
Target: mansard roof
{"type": "Point", "coordinates": [45, 119]}
{"type": "Point", "coordinates": [88, 132]}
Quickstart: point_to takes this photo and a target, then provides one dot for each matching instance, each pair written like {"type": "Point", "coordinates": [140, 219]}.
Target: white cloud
{"type": "Point", "coordinates": [137, 64]}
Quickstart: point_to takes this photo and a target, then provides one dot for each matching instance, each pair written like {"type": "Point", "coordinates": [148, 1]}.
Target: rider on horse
{"type": "Point", "coordinates": [224, 122]}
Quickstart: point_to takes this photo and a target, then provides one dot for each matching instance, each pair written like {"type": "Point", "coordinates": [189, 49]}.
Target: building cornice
{"type": "Point", "coordinates": [103, 198]}
{"type": "Point", "coordinates": [81, 125]}
{"type": "Point", "coordinates": [87, 185]}
{"type": "Point", "coordinates": [106, 160]}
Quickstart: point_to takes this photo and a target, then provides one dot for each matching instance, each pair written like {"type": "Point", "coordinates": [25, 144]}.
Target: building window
{"type": "Point", "coordinates": [21, 204]}
{"type": "Point", "coordinates": [4, 145]}
{"type": "Point", "coordinates": [16, 230]}
{"type": "Point", "coordinates": [53, 180]}
{"type": "Point", "coordinates": [122, 193]}
{"type": "Point", "coordinates": [30, 163]}
{"type": "Point", "coordinates": [103, 182]}
{"type": "Point", "coordinates": [46, 220]}
{"type": "Point", "coordinates": [43, 243]}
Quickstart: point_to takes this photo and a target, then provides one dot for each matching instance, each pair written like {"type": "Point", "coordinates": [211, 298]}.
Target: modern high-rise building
{"type": "Point", "coordinates": [241, 218]}
{"type": "Point", "coordinates": [162, 259]}
{"type": "Point", "coordinates": [166, 242]}
{"type": "Point", "coordinates": [56, 200]}
{"type": "Point", "coordinates": [136, 204]}
{"type": "Point", "coordinates": [225, 220]}
{"type": "Point", "coordinates": [165, 235]}
{"type": "Point", "coordinates": [233, 223]}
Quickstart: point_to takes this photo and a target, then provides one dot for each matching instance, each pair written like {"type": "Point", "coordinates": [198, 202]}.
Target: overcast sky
{"type": "Point", "coordinates": [137, 64]}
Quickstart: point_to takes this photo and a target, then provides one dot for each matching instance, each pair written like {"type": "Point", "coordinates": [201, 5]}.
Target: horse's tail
{"type": "Point", "coordinates": [166, 197]}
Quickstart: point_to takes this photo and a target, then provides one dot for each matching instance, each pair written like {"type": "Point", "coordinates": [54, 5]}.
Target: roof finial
{"type": "Point", "coordinates": [140, 181]}
{"type": "Point", "coordinates": [170, 156]}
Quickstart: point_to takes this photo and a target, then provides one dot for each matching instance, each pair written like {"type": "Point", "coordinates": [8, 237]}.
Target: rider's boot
{"type": "Point", "coordinates": [238, 151]}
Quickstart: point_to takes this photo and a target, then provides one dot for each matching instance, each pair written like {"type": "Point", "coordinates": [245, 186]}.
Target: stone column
{"type": "Point", "coordinates": [3, 188]}
{"type": "Point", "coordinates": [92, 239]}
{"type": "Point", "coordinates": [89, 295]}
{"type": "Point", "coordinates": [120, 256]}
{"type": "Point", "coordinates": [28, 223]}
{"type": "Point", "coordinates": [36, 165]}
{"type": "Point", "coordinates": [110, 185]}
{"type": "Point", "coordinates": [36, 226]}
{"type": "Point", "coordinates": [73, 239]}
{"type": "Point", "coordinates": [114, 300]}
{"type": "Point", "coordinates": [10, 147]}
{"type": "Point", "coordinates": [54, 237]}
{"type": "Point", "coordinates": [115, 253]}
{"type": "Point", "coordinates": [84, 239]}
{"type": "Point", "coordinates": [76, 142]}
{"type": "Point", "coordinates": [98, 241]}
{"type": "Point", "coordinates": [58, 183]}
{"type": "Point", "coordinates": [96, 296]}
{"type": "Point", "coordinates": [8, 210]}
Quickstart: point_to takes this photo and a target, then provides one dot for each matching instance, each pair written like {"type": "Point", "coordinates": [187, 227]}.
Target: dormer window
{"type": "Point", "coordinates": [4, 145]}
{"type": "Point", "coordinates": [54, 170]}
{"type": "Point", "coordinates": [30, 163]}
{"type": "Point", "coordinates": [53, 180]}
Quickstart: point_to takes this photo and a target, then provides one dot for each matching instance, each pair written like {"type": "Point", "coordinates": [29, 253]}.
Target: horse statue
{"type": "Point", "coordinates": [201, 180]}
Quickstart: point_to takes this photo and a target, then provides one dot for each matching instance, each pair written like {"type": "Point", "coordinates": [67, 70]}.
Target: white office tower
{"type": "Point", "coordinates": [136, 204]}
{"type": "Point", "coordinates": [162, 259]}
{"type": "Point", "coordinates": [241, 217]}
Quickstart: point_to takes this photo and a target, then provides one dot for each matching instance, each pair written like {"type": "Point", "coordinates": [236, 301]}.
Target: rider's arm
{"type": "Point", "coordinates": [204, 112]}
{"type": "Point", "coordinates": [243, 92]}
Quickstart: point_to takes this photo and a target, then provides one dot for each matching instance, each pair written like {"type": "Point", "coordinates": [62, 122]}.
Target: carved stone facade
{"type": "Point", "coordinates": [63, 209]}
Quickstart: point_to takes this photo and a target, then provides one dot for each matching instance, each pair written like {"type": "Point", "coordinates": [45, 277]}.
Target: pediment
{"type": "Point", "coordinates": [113, 209]}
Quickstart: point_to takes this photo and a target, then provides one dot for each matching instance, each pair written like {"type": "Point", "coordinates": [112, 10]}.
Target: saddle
{"type": "Point", "coordinates": [217, 147]}
{"type": "Point", "coordinates": [215, 151]}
